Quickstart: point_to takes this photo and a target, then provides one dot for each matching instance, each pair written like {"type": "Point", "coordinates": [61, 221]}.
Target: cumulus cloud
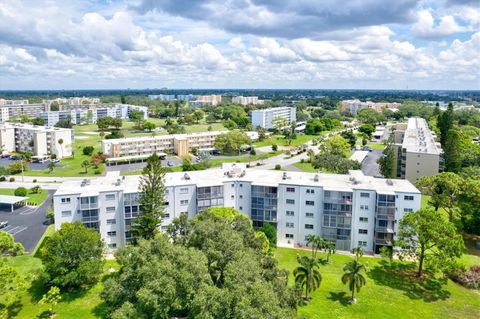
{"type": "Point", "coordinates": [426, 27]}
{"type": "Point", "coordinates": [287, 18]}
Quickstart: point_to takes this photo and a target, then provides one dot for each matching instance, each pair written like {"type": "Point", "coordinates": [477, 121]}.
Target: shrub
{"type": "Point", "coordinates": [258, 164]}
{"type": "Point", "coordinates": [248, 165]}
{"type": "Point", "coordinates": [114, 134]}
{"type": "Point", "coordinates": [253, 152]}
{"type": "Point", "coordinates": [278, 167]}
{"type": "Point", "coordinates": [34, 180]}
{"type": "Point", "coordinates": [274, 147]}
{"type": "Point", "coordinates": [12, 179]}
{"type": "Point", "coordinates": [36, 189]}
{"type": "Point", "coordinates": [467, 278]}
{"type": "Point", "coordinates": [302, 160]}
{"type": "Point", "coordinates": [88, 150]}
{"type": "Point", "coordinates": [21, 191]}
{"type": "Point", "coordinates": [3, 178]}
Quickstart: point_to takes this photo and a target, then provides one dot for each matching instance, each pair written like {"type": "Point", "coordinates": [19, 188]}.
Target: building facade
{"type": "Point", "coordinates": [246, 100]}
{"type": "Point", "coordinates": [418, 153]}
{"type": "Point", "coordinates": [352, 210]}
{"type": "Point", "coordinates": [42, 141]}
{"type": "Point", "coordinates": [266, 118]}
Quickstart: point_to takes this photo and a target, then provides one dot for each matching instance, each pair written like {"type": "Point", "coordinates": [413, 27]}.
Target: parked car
{"type": "Point", "coordinates": [55, 160]}
{"type": "Point", "coordinates": [3, 224]}
{"type": "Point", "coordinates": [169, 163]}
{"type": "Point", "coordinates": [13, 157]}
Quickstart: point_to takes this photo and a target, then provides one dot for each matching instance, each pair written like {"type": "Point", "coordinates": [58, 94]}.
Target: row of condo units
{"type": "Point", "coordinates": [75, 100]}
{"type": "Point", "coordinates": [351, 210]}
{"type": "Point", "coordinates": [41, 141]}
{"type": "Point", "coordinates": [11, 110]}
{"type": "Point", "coordinates": [131, 148]}
{"type": "Point", "coordinates": [267, 118]}
{"type": "Point", "coordinates": [418, 152]}
{"type": "Point", "coordinates": [354, 106]}
{"type": "Point", "coordinates": [88, 114]}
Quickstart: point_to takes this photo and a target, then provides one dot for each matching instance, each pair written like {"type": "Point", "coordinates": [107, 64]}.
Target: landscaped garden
{"type": "Point", "coordinates": [34, 198]}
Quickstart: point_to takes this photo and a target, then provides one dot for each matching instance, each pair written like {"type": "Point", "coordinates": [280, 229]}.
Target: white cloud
{"type": "Point", "coordinates": [426, 26]}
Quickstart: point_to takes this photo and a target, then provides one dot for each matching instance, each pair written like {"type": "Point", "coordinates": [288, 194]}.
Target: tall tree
{"type": "Point", "coordinates": [426, 234]}
{"type": "Point", "coordinates": [350, 137]}
{"type": "Point", "coordinates": [72, 256]}
{"type": "Point", "coordinates": [307, 275]}
{"type": "Point", "coordinates": [445, 122]}
{"type": "Point", "coordinates": [353, 277]}
{"type": "Point", "coordinates": [388, 161]}
{"type": "Point", "coordinates": [152, 199]}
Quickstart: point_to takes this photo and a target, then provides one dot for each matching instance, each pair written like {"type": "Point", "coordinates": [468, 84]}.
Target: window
{"type": "Point", "coordinates": [241, 196]}
{"type": "Point", "coordinates": [167, 215]}
{"type": "Point", "coordinates": [406, 210]}
{"type": "Point", "coordinates": [290, 190]}
{"type": "Point", "coordinates": [232, 197]}
{"type": "Point", "coordinates": [309, 215]}
{"type": "Point", "coordinates": [363, 207]}
{"type": "Point", "coordinates": [308, 226]}
{"type": "Point", "coordinates": [289, 236]}
{"type": "Point", "coordinates": [289, 225]}
{"type": "Point", "coordinates": [66, 200]}
{"type": "Point", "coordinates": [110, 197]}
{"type": "Point", "coordinates": [241, 207]}
{"type": "Point", "coordinates": [364, 219]}
{"type": "Point", "coordinates": [184, 190]}
{"type": "Point", "coordinates": [310, 191]}
{"type": "Point", "coordinates": [362, 243]}
{"type": "Point", "coordinates": [408, 197]}
{"type": "Point", "coordinates": [112, 233]}
{"type": "Point", "coordinates": [112, 245]}
{"type": "Point", "coordinates": [241, 185]}
{"type": "Point", "coordinates": [66, 213]}
{"type": "Point", "coordinates": [110, 209]}
{"type": "Point", "coordinates": [111, 221]}
{"type": "Point", "coordinates": [233, 185]}
{"type": "Point", "coordinates": [290, 213]}
{"type": "Point", "coordinates": [363, 231]}
{"type": "Point", "coordinates": [309, 203]}
{"type": "Point", "coordinates": [290, 201]}
{"type": "Point", "coordinates": [184, 202]}
{"type": "Point", "coordinates": [365, 195]}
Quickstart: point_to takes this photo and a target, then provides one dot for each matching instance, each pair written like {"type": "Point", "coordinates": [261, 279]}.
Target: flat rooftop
{"type": "Point", "coordinates": [33, 127]}
{"type": "Point", "coordinates": [418, 138]}
{"type": "Point", "coordinates": [229, 173]}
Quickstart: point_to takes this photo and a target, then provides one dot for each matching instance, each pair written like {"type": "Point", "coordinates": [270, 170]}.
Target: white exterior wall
{"type": "Point", "coordinates": [264, 118]}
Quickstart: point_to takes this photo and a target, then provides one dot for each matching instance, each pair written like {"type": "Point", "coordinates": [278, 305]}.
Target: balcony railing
{"type": "Point", "coordinates": [384, 229]}
{"type": "Point", "coordinates": [383, 241]}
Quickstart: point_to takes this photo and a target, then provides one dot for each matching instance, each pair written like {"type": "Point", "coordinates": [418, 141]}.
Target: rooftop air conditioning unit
{"type": "Point", "coordinates": [316, 178]}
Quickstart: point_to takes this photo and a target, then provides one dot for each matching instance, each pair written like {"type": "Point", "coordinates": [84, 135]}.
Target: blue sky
{"type": "Point", "coordinates": [53, 44]}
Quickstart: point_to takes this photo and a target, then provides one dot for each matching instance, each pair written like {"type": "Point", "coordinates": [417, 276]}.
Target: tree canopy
{"type": "Point", "coordinates": [230, 142]}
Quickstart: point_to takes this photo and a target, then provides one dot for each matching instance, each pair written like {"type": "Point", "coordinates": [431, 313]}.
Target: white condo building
{"type": "Point", "coordinates": [265, 118]}
{"type": "Point", "coordinates": [246, 100]}
{"type": "Point", "coordinates": [42, 141]}
{"type": "Point", "coordinates": [351, 210]}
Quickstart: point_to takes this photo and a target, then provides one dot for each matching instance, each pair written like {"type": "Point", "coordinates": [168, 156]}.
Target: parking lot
{"type": "Point", "coordinates": [4, 162]}
{"type": "Point", "coordinates": [174, 160]}
{"type": "Point", "coordinates": [26, 224]}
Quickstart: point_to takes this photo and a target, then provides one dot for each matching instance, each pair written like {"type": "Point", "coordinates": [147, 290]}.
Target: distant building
{"type": "Point", "coordinates": [265, 118]}
{"type": "Point", "coordinates": [204, 100]}
{"type": "Point", "coordinates": [162, 97]}
{"type": "Point", "coordinates": [352, 210]}
{"type": "Point", "coordinates": [354, 106]}
{"type": "Point", "coordinates": [185, 97]}
{"type": "Point", "coordinates": [418, 152]}
{"type": "Point", "coordinates": [42, 141]}
{"type": "Point", "coordinates": [246, 100]}
{"type": "Point", "coordinates": [88, 114]}
{"type": "Point", "coordinates": [14, 109]}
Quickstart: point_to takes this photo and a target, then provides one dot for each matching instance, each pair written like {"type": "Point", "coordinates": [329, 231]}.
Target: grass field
{"type": "Point", "coordinates": [391, 292]}
{"type": "Point", "coordinates": [34, 199]}
{"type": "Point", "coordinates": [306, 167]}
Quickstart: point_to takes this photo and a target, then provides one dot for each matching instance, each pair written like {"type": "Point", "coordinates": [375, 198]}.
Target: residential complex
{"type": "Point", "coordinates": [351, 210]}
{"type": "Point", "coordinates": [203, 100]}
{"type": "Point", "coordinates": [130, 148]}
{"type": "Point", "coordinates": [246, 100]}
{"type": "Point", "coordinates": [14, 109]}
{"type": "Point", "coordinates": [266, 118]}
{"type": "Point", "coordinates": [354, 106]}
{"type": "Point", "coordinates": [418, 152]}
{"type": "Point", "coordinates": [42, 141]}
{"type": "Point", "coordinates": [87, 114]}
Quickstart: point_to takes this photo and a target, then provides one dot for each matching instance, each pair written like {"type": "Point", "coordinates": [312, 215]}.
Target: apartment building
{"type": "Point", "coordinates": [246, 100]}
{"type": "Point", "coordinates": [162, 97]}
{"type": "Point", "coordinates": [203, 100]}
{"type": "Point", "coordinates": [351, 210]}
{"type": "Point", "coordinates": [14, 111]}
{"type": "Point", "coordinates": [418, 153]}
{"type": "Point", "coordinates": [354, 106]}
{"type": "Point", "coordinates": [266, 118]}
{"type": "Point", "coordinates": [88, 114]}
{"type": "Point", "coordinates": [144, 146]}
{"type": "Point", "coordinates": [13, 102]}
{"type": "Point", "coordinates": [42, 141]}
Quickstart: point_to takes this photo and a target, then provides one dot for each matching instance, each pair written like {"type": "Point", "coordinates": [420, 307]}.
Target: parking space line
{"type": "Point", "coordinates": [7, 229]}
{"type": "Point", "coordinates": [20, 230]}
{"type": "Point", "coordinates": [11, 230]}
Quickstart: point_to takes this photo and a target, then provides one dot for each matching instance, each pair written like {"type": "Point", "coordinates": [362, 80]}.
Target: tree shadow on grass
{"type": "Point", "coordinates": [39, 287]}
{"type": "Point", "coordinates": [401, 276]}
{"type": "Point", "coordinates": [341, 297]}
{"type": "Point", "coordinates": [13, 310]}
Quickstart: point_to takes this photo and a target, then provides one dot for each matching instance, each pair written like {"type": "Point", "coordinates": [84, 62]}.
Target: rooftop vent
{"type": "Point", "coordinates": [389, 182]}
{"type": "Point", "coordinates": [284, 176]}
{"type": "Point", "coordinates": [316, 178]}
{"type": "Point", "coordinates": [186, 177]}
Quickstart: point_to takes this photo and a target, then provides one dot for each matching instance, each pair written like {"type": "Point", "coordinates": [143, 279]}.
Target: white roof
{"type": "Point", "coordinates": [129, 184]}
{"type": "Point", "coordinates": [418, 138]}
{"type": "Point", "coordinates": [9, 199]}
{"type": "Point", "coordinates": [359, 156]}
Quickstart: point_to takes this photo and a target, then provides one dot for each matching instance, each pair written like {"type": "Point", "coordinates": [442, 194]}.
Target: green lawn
{"type": "Point", "coordinates": [279, 140]}
{"type": "Point", "coordinates": [391, 292]}
{"type": "Point", "coordinates": [306, 167]}
{"type": "Point", "coordinates": [33, 199]}
{"type": "Point", "coordinates": [377, 146]}
{"type": "Point", "coordinates": [243, 159]}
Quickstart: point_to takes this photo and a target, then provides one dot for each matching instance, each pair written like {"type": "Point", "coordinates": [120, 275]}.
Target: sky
{"type": "Point", "coordinates": [313, 44]}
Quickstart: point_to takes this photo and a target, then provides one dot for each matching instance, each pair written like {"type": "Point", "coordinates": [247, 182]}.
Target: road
{"type": "Point", "coordinates": [27, 224]}
{"type": "Point", "coordinates": [369, 164]}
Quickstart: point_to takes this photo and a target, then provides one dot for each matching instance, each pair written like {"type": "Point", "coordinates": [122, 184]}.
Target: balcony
{"type": "Point", "coordinates": [384, 229]}
{"type": "Point", "coordinates": [379, 241]}
{"type": "Point", "coordinates": [89, 206]}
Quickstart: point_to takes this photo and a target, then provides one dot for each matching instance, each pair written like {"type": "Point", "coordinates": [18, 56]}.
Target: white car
{"type": "Point", "coordinates": [3, 224]}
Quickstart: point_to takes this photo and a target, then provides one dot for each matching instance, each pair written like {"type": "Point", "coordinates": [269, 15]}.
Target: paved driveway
{"type": "Point", "coordinates": [369, 164]}
{"type": "Point", "coordinates": [26, 224]}
{"type": "Point", "coordinates": [32, 166]}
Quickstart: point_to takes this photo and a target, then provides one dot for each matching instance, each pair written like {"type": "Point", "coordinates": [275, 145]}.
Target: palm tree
{"type": "Point", "coordinates": [85, 164]}
{"type": "Point", "coordinates": [307, 274]}
{"type": "Point", "coordinates": [310, 155]}
{"type": "Point", "coordinates": [51, 166]}
{"type": "Point", "coordinates": [60, 141]}
{"type": "Point", "coordinates": [358, 251]}
{"type": "Point", "coordinates": [353, 277]}
{"type": "Point", "coordinates": [330, 249]}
